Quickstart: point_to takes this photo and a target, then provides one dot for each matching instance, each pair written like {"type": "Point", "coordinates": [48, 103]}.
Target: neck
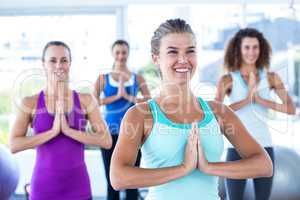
{"type": "Point", "coordinates": [120, 67]}
{"type": "Point", "coordinates": [177, 94]}
{"type": "Point", "coordinates": [247, 69]}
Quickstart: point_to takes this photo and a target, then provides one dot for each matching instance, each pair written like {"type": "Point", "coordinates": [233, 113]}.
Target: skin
{"type": "Point", "coordinates": [121, 74]}
{"type": "Point", "coordinates": [59, 100]}
{"type": "Point", "coordinates": [178, 51]}
{"type": "Point", "coordinates": [250, 53]}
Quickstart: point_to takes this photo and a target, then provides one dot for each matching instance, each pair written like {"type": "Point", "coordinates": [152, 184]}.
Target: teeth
{"type": "Point", "coordinates": [182, 70]}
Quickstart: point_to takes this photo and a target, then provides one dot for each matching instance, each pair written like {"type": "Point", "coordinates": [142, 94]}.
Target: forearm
{"type": "Point", "coordinates": [94, 139]}
{"type": "Point", "coordinates": [252, 167]}
{"type": "Point", "coordinates": [17, 144]}
{"type": "Point", "coordinates": [129, 177]}
{"type": "Point", "coordinates": [276, 106]}
{"type": "Point", "coordinates": [240, 104]}
{"type": "Point", "coordinates": [107, 100]}
{"type": "Point", "coordinates": [134, 99]}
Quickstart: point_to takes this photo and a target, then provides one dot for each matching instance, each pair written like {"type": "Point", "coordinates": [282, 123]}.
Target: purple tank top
{"type": "Point", "coordinates": [60, 172]}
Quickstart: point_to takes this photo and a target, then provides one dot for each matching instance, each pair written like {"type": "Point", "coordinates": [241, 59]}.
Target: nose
{"type": "Point", "coordinates": [182, 59]}
{"type": "Point", "coordinates": [58, 65]}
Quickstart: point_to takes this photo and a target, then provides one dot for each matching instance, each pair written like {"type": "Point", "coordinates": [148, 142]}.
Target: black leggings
{"type": "Point", "coordinates": [262, 186]}
{"type": "Point", "coordinates": [131, 194]}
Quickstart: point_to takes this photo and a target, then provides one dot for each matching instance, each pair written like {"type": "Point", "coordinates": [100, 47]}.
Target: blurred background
{"type": "Point", "coordinates": [89, 27]}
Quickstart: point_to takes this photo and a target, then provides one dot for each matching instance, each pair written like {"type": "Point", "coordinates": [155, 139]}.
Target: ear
{"type": "Point", "coordinates": [155, 59]}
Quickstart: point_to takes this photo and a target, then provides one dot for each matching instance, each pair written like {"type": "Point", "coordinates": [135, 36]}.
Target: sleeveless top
{"type": "Point", "coordinates": [165, 147]}
{"type": "Point", "coordinates": [253, 116]}
{"type": "Point", "coordinates": [115, 111]}
{"type": "Point", "coordinates": [60, 172]}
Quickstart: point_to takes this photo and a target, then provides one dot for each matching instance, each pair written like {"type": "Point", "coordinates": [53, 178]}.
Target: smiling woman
{"type": "Point", "coordinates": [179, 134]}
{"type": "Point", "coordinates": [58, 117]}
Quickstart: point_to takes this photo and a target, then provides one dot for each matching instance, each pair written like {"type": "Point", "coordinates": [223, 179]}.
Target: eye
{"type": "Point", "coordinates": [64, 61]}
{"type": "Point", "coordinates": [52, 61]}
{"type": "Point", "coordinates": [191, 51]}
{"type": "Point", "coordinates": [172, 52]}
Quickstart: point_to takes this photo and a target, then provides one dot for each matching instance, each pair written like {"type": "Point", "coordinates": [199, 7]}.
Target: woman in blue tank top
{"type": "Point", "coordinates": [181, 160]}
{"type": "Point", "coordinates": [119, 90]}
{"type": "Point", "coordinates": [248, 86]}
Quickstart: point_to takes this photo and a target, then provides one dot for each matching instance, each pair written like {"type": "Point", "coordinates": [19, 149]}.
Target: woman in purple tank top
{"type": "Point", "coordinates": [58, 117]}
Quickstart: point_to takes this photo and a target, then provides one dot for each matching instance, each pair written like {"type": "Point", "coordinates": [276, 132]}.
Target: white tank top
{"type": "Point", "coordinates": [253, 116]}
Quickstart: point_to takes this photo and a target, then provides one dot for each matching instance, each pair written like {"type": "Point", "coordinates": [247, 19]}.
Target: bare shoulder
{"type": "Point", "coordinates": [87, 101]}
{"type": "Point", "coordinates": [221, 111]}
{"type": "Point", "coordinates": [29, 103]}
{"type": "Point", "coordinates": [274, 79]}
{"type": "Point", "coordinates": [140, 78]}
{"type": "Point", "coordinates": [139, 112]}
{"type": "Point", "coordinates": [226, 79]}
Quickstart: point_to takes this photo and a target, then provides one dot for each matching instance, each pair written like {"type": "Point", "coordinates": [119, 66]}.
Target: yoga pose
{"type": "Point", "coordinates": [58, 117]}
{"type": "Point", "coordinates": [119, 88]}
{"type": "Point", "coordinates": [248, 85]}
{"type": "Point", "coordinates": [181, 135]}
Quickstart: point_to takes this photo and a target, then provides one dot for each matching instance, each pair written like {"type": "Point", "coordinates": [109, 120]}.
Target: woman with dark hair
{"type": "Point", "coordinates": [181, 135]}
{"type": "Point", "coordinates": [120, 88]}
{"type": "Point", "coordinates": [248, 85]}
{"type": "Point", "coordinates": [58, 116]}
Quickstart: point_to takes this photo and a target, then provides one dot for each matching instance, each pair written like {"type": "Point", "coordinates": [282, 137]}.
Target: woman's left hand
{"type": "Point", "coordinates": [64, 124]}
{"type": "Point", "coordinates": [202, 161]}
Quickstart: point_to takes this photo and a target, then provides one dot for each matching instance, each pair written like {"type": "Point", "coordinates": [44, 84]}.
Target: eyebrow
{"type": "Point", "coordinates": [190, 47]}
{"type": "Point", "coordinates": [58, 58]}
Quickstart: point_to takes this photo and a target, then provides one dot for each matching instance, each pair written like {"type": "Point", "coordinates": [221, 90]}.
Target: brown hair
{"type": "Point", "coordinates": [168, 27]}
{"type": "Point", "coordinates": [120, 42]}
{"type": "Point", "coordinates": [55, 43]}
{"type": "Point", "coordinates": [233, 57]}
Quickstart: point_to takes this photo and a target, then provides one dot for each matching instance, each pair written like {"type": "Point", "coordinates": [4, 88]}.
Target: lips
{"type": "Point", "coordinates": [59, 73]}
{"type": "Point", "coordinates": [182, 70]}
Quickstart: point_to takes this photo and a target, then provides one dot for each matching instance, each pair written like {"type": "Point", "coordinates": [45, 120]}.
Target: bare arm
{"type": "Point", "coordinates": [99, 86]}
{"type": "Point", "coordinates": [224, 88]}
{"type": "Point", "coordinates": [99, 135]}
{"type": "Point", "coordinates": [287, 105]}
{"type": "Point", "coordinates": [255, 161]}
{"type": "Point", "coordinates": [18, 141]}
{"type": "Point", "coordinates": [123, 172]}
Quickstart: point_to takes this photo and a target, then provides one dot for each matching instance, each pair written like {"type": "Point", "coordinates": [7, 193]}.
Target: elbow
{"type": "Point", "coordinates": [117, 180]}
{"type": "Point", "coordinates": [267, 167]}
{"type": "Point", "coordinates": [291, 111]}
{"type": "Point", "coordinates": [107, 144]}
{"type": "Point", "coordinates": [13, 149]}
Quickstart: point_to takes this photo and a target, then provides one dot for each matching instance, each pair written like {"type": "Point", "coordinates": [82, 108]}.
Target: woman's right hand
{"type": "Point", "coordinates": [59, 110]}
{"type": "Point", "coordinates": [121, 88]}
{"type": "Point", "coordinates": [191, 155]}
{"type": "Point", "coordinates": [252, 86]}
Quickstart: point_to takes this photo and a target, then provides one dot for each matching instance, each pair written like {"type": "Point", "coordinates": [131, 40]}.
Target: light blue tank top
{"type": "Point", "coordinates": [253, 116]}
{"type": "Point", "coordinates": [165, 147]}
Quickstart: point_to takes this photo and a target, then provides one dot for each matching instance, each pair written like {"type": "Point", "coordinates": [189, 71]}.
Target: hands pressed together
{"type": "Point", "coordinates": [253, 95]}
{"type": "Point", "coordinates": [194, 154]}
{"type": "Point", "coordinates": [60, 124]}
{"type": "Point", "coordinates": [122, 91]}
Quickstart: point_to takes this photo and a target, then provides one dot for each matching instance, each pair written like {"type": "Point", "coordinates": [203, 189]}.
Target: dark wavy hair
{"type": "Point", "coordinates": [233, 57]}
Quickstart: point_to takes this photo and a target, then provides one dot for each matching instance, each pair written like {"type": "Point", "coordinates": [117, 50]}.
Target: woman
{"type": "Point", "coordinates": [181, 161]}
{"type": "Point", "coordinates": [58, 116]}
{"type": "Point", "coordinates": [120, 88]}
{"type": "Point", "coordinates": [248, 86]}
